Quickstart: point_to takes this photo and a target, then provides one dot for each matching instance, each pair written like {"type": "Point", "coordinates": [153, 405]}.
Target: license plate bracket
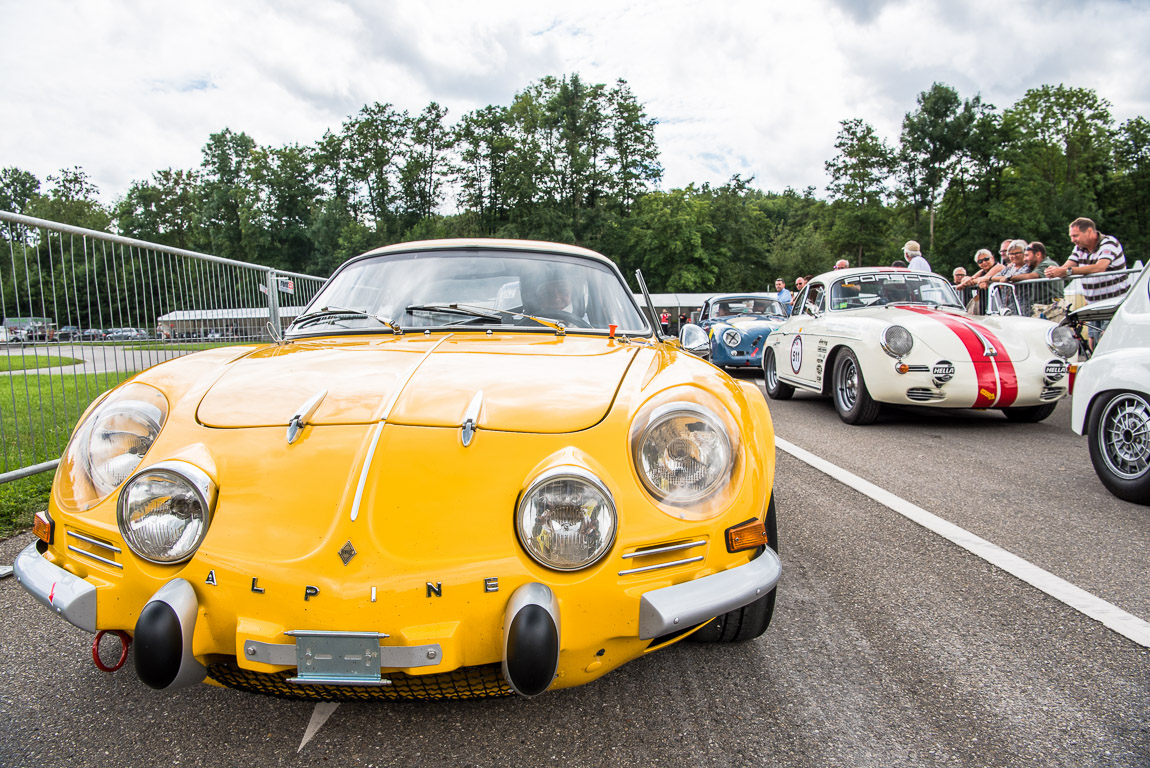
{"type": "Point", "coordinates": [338, 657]}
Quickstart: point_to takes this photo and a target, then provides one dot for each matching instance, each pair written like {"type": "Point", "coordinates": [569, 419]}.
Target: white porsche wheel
{"type": "Point", "coordinates": [852, 400]}
{"type": "Point", "coordinates": [1119, 430]}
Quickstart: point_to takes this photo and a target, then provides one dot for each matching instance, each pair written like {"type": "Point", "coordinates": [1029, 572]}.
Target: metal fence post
{"type": "Point", "coordinates": [274, 305]}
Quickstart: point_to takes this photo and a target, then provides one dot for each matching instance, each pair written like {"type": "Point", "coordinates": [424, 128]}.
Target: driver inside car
{"type": "Point", "coordinates": [554, 295]}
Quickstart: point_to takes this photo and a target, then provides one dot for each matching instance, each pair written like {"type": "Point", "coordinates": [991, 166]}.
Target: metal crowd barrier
{"type": "Point", "coordinates": [83, 310]}
{"type": "Point", "coordinates": [1049, 298]}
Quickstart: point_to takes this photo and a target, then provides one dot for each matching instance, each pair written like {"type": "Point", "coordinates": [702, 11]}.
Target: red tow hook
{"type": "Point", "coordinates": [125, 641]}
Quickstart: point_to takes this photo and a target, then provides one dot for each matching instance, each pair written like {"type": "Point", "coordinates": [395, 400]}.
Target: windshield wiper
{"type": "Point", "coordinates": [488, 314]}
{"type": "Point", "coordinates": [327, 312]}
{"type": "Point", "coordinates": [457, 309]}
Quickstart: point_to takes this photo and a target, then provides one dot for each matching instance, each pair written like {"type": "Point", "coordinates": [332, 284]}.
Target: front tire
{"type": "Point", "coordinates": [776, 389]}
{"type": "Point", "coordinates": [1029, 414]}
{"type": "Point", "coordinates": [1118, 429]}
{"type": "Point", "coordinates": [852, 400]}
{"type": "Point", "coordinates": [751, 620]}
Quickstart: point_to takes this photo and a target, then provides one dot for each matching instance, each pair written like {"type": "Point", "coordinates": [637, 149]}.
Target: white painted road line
{"type": "Point", "coordinates": [1110, 615]}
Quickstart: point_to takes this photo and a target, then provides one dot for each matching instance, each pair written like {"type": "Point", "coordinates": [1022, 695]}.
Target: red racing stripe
{"type": "Point", "coordinates": [997, 380]}
{"type": "Point", "coordinates": [1007, 376]}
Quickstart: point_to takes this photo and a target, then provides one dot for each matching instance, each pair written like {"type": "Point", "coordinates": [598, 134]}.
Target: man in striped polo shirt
{"type": "Point", "coordinates": [1094, 253]}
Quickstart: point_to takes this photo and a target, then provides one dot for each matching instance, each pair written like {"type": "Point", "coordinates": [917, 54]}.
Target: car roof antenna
{"type": "Point", "coordinates": [650, 307]}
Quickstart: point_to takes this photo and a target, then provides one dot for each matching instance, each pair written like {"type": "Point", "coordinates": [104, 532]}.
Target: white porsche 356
{"type": "Point", "coordinates": [866, 337]}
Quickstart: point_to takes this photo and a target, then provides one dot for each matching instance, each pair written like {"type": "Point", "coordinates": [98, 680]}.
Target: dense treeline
{"type": "Point", "coordinates": [575, 162]}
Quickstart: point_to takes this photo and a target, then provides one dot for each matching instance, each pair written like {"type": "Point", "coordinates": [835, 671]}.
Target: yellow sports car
{"type": "Point", "coordinates": [469, 468]}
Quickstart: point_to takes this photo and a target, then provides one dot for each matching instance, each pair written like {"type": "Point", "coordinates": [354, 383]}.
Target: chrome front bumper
{"type": "Point", "coordinates": [65, 593]}
{"type": "Point", "coordinates": [674, 608]}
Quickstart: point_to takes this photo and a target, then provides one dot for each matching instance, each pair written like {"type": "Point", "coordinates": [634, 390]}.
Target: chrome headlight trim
{"type": "Point", "coordinates": [732, 337]}
{"type": "Point", "coordinates": [199, 486]}
{"type": "Point", "coordinates": [1061, 341]}
{"type": "Point", "coordinates": [896, 341]}
{"type": "Point", "coordinates": [526, 519]}
{"type": "Point", "coordinates": [642, 442]}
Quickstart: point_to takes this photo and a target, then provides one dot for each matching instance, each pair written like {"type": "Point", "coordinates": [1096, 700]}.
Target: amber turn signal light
{"type": "Point", "coordinates": [43, 528]}
{"type": "Point", "coordinates": [749, 535]}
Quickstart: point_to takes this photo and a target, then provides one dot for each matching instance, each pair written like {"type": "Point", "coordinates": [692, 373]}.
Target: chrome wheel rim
{"type": "Point", "coordinates": [770, 373]}
{"type": "Point", "coordinates": [1124, 436]}
{"type": "Point", "coordinates": [848, 384]}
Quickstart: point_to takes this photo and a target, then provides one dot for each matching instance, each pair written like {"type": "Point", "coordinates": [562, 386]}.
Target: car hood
{"type": "Point", "coordinates": [530, 383]}
{"type": "Point", "coordinates": [746, 323]}
{"type": "Point", "coordinates": [948, 333]}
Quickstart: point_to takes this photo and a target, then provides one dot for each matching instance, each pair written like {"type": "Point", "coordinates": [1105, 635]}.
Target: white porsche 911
{"type": "Point", "coordinates": [879, 335]}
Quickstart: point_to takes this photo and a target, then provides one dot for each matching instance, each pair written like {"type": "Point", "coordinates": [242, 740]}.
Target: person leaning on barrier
{"type": "Point", "coordinates": [1093, 254]}
{"type": "Point", "coordinates": [959, 274]}
{"type": "Point", "coordinates": [1016, 252]}
{"type": "Point", "coordinates": [987, 268]}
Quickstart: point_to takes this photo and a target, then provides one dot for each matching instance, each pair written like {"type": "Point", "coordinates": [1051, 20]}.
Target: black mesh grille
{"type": "Point", "coordinates": [466, 683]}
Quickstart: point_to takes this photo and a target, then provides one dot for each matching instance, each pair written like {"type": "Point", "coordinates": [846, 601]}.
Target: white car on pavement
{"type": "Point", "coordinates": [1111, 398]}
{"type": "Point", "coordinates": [879, 335]}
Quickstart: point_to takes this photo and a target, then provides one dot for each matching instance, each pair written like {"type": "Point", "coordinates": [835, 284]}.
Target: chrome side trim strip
{"type": "Point", "coordinates": [383, 420]}
{"type": "Point", "coordinates": [799, 383]}
{"type": "Point", "coordinates": [96, 542]}
{"type": "Point", "coordinates": [662, 550]}
{"type": "Point", "coordinates": [661, 566]}
{"type": "Point", "coordinates": [97, 558]}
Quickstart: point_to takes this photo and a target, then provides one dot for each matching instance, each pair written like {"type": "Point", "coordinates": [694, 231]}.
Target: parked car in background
{"type": "Point", "coordinates": [1111, 396]}
{"type": "Point", "coordinates": [737, 325]}
{"type": "Point", "coordinates": [470, 468]}
{"type": "Point", "coordinates": [68, 333]}
{"type": "Point", "coordinates": [93, 334]}
{"type": "Point", "coordinates": [125, 334]}
{"type": "Point", "coordinates": [870, 336]}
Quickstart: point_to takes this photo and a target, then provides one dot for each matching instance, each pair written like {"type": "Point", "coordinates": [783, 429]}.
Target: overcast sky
{"type": "Point", "coordinates": [124, 88]}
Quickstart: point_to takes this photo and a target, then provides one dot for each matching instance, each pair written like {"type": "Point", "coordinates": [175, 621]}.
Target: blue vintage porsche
{"type": "Point", "coordinates": [737, 325]}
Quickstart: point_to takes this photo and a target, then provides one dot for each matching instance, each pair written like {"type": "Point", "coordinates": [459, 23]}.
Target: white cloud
{"type": "Point", "coordinates": [752, 88]}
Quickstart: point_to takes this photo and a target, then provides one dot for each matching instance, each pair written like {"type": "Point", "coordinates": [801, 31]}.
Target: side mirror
{"type": "Point", "coordinates": [694, 340]}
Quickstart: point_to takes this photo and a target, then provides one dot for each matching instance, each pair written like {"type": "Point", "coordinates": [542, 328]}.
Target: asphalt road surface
{"type": "Point", "coordinates": [890, 646]}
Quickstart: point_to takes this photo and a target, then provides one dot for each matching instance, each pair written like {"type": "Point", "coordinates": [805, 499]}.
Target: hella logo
{"type": "Point", "coordinates": [943, 371]}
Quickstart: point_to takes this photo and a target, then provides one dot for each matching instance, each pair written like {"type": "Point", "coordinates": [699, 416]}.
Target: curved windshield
{"type": "Point", "coordinates": [880, 288]}
{"type": "Point", "coordinates": [747, 306]}
{"type": "Point", "coordinates": [471, 288]}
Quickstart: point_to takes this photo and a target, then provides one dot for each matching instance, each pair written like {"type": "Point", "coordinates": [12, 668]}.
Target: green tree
{"type": "Point", "coordinates": [165, 210]}
{"type": "Point", "coordinates": [665, 239]}
{"type": "Point", "coordinates": [933, 137]}
{"type": "Point", "coordinates": [858, 188]}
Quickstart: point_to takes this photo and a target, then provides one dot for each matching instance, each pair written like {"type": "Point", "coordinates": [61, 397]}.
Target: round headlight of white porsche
{"type": "Point", "coordinates": [566, 519]}
{"type": "Point", "coordinates": [897, 341]}
{"type": "Point", "coordinates": [1062, 341]}
{"type": "Point", "coordinates": [684, 454]}
{"type": "Point", "coordinates": [164, 511]}
{"type": "Point", "coordinates": [732, 337]}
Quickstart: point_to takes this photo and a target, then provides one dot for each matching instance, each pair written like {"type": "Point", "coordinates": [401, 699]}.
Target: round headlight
{"type": "Point", "coordinates": [566, 519]}
{"type": "Point", "coordinates": [164, 511]}
{"type": "Point", "coordinates": [732, 337]}
{"type": "Point", "coordinates": [1062, 341]}
{"type": "Point", "coordinates": [117, 439]}
{"type": "Point", "coordinates": [683, 454]}
{"type": "Point", "coordinates": [897, 341]}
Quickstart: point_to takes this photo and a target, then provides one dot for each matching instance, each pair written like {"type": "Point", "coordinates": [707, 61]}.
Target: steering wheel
{"type": "Point", "coordinates": [568, 319]}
